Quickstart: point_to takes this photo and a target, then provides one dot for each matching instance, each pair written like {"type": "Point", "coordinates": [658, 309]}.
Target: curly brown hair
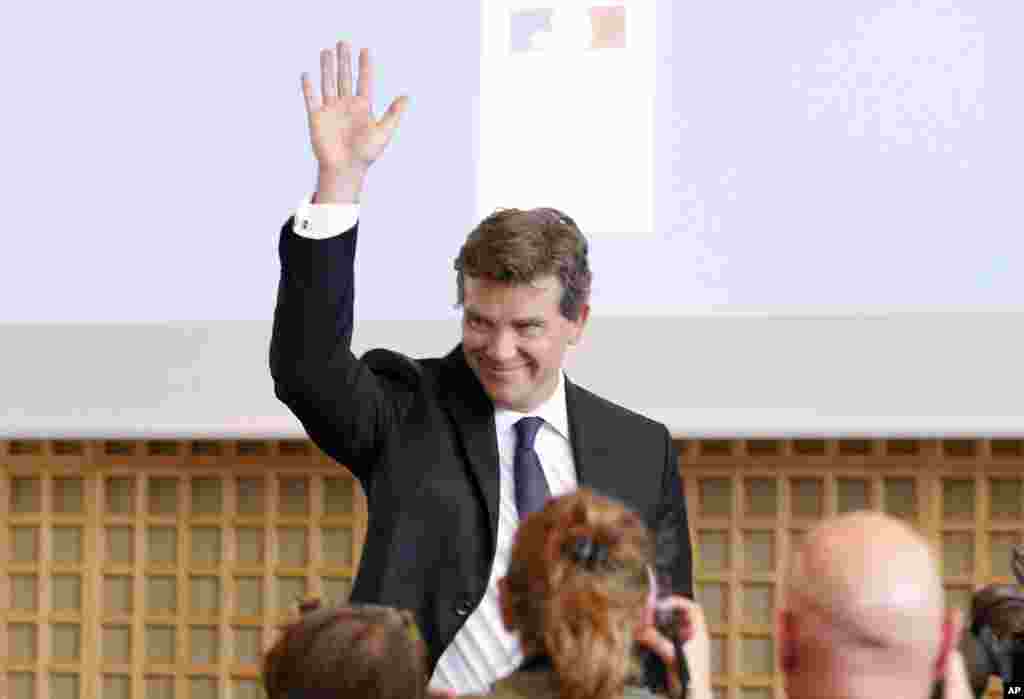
{"type": "Point", "coordinates": [516, 246]}
{"type": "Point", "coordinates": [365, 651]}
{"type": "Point", "coordinates": [576, 589]}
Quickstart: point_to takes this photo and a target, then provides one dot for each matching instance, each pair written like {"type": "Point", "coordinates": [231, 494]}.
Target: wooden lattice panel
{"type": "Point", "coordinates": [751, 500]}
{"type": "Point", "coordinates": [162, 569]}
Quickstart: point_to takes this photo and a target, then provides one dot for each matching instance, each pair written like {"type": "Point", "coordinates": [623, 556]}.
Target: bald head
{"type": "Point", "coordinates": [864, 612]}
{"type": "Point", "coordinates": [873, 578]}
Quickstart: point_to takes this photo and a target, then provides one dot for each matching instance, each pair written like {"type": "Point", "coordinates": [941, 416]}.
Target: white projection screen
{"type": "Point", "coordinates": [803, 217]}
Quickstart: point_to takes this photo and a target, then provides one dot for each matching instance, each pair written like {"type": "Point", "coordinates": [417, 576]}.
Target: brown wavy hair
{"type": "Point", "coordinates": [576, 589]}
{"type": "Point", "coordinates": [516, 246]}
{"type": "Point", "coordinates": [365, 651]}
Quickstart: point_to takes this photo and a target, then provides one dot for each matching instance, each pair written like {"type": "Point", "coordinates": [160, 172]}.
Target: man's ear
{"type": "Point", "coordinates": [785, 635]}
{"type": "Point", "coordinates": [952, 627]}
{"type": "Point", "coordinates": [505, 603]}
{"type": "Point", "coordinates": [580, 323]}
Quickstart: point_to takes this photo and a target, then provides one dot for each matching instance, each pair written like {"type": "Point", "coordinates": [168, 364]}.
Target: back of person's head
{"type": "Point", "coordinates": [516, 247]}
{"type": "Point", "coordinates": [577, 588]}
{"type": "Point", "coordinates": [364, 651]}
{"type": "Point", "coordinates": [863, 612]}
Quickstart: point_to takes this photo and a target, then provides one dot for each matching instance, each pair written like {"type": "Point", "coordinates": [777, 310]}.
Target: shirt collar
{"type": "Point", "coordinates": [553, 411]}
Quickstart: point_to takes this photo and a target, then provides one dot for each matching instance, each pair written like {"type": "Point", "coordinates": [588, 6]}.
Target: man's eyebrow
{"type": "Point", "coordinates": [526, 320]}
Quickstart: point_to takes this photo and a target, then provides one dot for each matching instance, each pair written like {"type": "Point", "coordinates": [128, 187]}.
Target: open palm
{"type": "Point", "coordinates": [342, 129]}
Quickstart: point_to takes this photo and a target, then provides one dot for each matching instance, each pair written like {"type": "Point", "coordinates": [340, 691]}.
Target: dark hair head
{"type": "Point", "coordinates": [577, 584]}
{"type": "Point", "coordinates": [513, 246]}
{"type": "Point", "coordinates": [364, 651]}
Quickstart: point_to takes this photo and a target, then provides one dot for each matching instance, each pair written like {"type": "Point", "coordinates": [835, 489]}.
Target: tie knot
{"type": "Point", "coordinates": [526, 431]}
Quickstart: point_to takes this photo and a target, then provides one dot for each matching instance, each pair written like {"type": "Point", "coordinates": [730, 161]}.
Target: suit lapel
{"type": "Point", "coordinates": [603, 450]}
{"type": "Point", "coordinates": [473, 416]}
{"type": "Point", "coordinates": [592, 439]}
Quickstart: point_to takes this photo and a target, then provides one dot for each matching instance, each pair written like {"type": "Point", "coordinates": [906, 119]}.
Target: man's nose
{"type": "Point", "coordinates": [501, 346]}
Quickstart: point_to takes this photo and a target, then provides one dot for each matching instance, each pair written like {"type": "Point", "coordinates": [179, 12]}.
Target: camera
{"type": "Point", "coordinates": [668, 533]}
{"type": "Point", "coordinates": [667, 620]}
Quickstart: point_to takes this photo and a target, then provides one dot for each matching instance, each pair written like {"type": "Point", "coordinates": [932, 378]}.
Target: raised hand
{"type": "Point", "coordinates": [345, 136]}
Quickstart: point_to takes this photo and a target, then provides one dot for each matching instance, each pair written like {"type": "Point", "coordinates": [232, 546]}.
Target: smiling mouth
{"type": "Point", "coordinates": [502, 370]}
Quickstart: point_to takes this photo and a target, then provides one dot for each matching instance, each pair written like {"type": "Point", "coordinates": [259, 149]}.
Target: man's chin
{"type": "Point", "coordinates": [505, 392]}
{"type": "Point", "coordinates": [506, 396]}
{"type": "Point", "coordinates": [501, 396]}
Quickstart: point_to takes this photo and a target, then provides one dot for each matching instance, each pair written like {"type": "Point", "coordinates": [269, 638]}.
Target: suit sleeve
{"type": "Point", "coordinates": [674, 548]}
{"type": "Point", "coordinates": [347, 408]}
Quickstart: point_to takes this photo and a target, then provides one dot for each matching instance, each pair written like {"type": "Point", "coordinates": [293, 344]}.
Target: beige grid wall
{"type": "Point", "coordinates": [751, 501]}
{"type": "Point", "coordinates": [160, 569]}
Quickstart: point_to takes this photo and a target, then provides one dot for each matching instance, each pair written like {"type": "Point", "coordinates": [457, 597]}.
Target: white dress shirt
{"type": "Point", "coordinates": [482, 650]}
{"type": "Point", "coordinates": [321, 221]}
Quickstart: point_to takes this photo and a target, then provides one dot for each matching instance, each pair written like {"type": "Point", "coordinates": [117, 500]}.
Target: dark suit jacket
{"type": "Point", "coordinates": [419, 435]}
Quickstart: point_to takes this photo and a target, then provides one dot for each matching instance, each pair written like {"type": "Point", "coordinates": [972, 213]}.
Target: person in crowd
{"type": "Point", "coordinates": [347, 652]}
{"type": "Point", "coordinates": [580, 592]}
{"type": "Point", "coordinates": [991, 644]}
{"type": "Point", "coordinates": [864, 616]}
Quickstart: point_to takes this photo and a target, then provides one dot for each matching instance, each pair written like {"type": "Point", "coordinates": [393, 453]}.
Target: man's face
{"type": "Point", "coordinates": [515, 338]}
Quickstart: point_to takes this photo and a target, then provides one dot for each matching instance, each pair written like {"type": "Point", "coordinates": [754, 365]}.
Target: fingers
{"type": "Point", "coordinates": [365, 77]}
{"type": "Point", "coordinates": [307, 93]}
{"type": "Point", "coordinates": [335, 74]}
{"type": "Point", "coordinates": [694, 621]}
{"type": "Point", "coordinates": [391, 118]}
{"type": "Point", "coordinates": [691, 620]}
{"type": "Point", "coordinates": [650, 638]}
{"type": "Point", "coordinates": [344, 70]}
{"type": "Point", "coordinates": [336, 83]}
{"type": "Point", "coordinates": [328, 78]}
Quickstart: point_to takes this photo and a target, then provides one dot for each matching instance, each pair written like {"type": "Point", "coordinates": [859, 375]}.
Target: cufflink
{"type": "Point", "coordinates": [305, 224]}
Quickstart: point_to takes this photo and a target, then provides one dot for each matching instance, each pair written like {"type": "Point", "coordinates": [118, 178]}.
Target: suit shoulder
{"type": "Point", "coordinates": [614, 411]}
{"type": "Point", "coordinates": [402, 367]}
{"type": "Point", "coordinates": [395, 365]}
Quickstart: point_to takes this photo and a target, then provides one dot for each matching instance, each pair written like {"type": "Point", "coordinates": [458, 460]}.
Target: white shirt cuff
{"type": "Point", "coordinates": [319, 221]}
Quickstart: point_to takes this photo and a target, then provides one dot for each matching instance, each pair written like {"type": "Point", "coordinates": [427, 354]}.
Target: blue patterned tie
{"type": "Point", "coordinates": [531, 485]}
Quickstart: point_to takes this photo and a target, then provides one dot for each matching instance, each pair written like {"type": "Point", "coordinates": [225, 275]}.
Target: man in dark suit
{"type": "Point", "coordinates": [452, 451]}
